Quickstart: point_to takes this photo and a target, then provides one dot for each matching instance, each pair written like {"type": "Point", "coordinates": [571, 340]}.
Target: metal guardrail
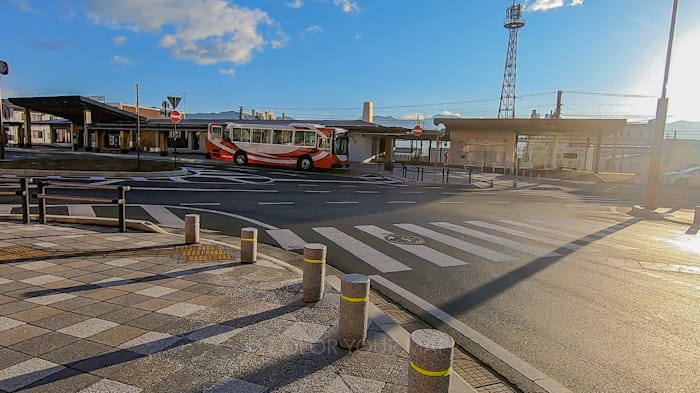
{"type": "Point", "coordinates": [42, 197]}
{"type": "Point", "coordinates": [22, 192]}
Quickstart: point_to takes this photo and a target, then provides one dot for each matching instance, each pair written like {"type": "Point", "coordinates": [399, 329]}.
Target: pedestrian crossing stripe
{"type": "Point", "coordinates": [503, 242]}
{"type": "Point", "coordinates": [433, 256]}
{"type": "Point", "coordinates": [524, 235]}
{"type": "Point", "coordinates": [483, 252]}
{"type": "Point", "coordinates": [372, 257]}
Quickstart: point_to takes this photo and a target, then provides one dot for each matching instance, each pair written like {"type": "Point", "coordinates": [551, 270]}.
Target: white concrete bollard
{"type": "Point", "coordinates": [354, 311]}
{"type": "Point", "coordinates": [430, 356]}
{"type": "Point", "coordinates": [696, 218]}
{"type": "Point", "coordinates": [249, 245]}
{"type": "Point", "coordinates": [192, 228]}
{"type": "Point", "coordinates": [314, 277]}
{"type": "Point", "coordinates": [515, 183]}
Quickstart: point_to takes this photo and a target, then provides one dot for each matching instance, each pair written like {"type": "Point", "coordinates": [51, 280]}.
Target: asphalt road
{"type": "Point", "coordinates": [595, 299]}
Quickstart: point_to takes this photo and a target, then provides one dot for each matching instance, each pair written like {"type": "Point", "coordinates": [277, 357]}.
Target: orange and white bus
{"type": "Point", "coordinates": [300, 145]}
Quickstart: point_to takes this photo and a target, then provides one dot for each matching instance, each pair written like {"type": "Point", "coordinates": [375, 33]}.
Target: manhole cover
{"type": "Point", "coordinates": [403, 239]}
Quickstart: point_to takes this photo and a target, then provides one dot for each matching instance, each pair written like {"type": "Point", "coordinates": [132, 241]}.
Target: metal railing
{"type": "Point", "coordinates": [22, 192]}
{"type": "Point", "coordinates": [42, 197]}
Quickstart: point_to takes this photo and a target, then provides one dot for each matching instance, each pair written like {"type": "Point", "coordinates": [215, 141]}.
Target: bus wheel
{"type": "Point", "coordinates": [240, 158]}
{"type": "Point", "coordinates": [305, 163]}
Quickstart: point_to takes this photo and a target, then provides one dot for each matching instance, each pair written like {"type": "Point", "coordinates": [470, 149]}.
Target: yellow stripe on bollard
{"type": "Point", "coordinates": [322, 260]}
{"type": "Point", "coordinates": [355, 299]}
{"type": "Point", "coordinates": [431, 373]}
{"type": "Point", "coordinates": [249, 239]}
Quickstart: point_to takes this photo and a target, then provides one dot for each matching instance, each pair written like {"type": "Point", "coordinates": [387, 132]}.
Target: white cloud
{"type": "Point", "coordinates": [120, 40]}
{"type": "Point", "coordinates": [347, 5]}
{"type": "Point", "coordinates": [120, 60]}
{"type": "Point", "coordinates": [546, 5]}
{"type": "Point", "coordinates": [314, 29]}
{"type": "Point", "coordinates": [295, 4]}
{"type": "Point", "coordinates": [227, 71]}
{"type": "Point", "coordinates": [204, 31]}
{"type": "Point", "coordinates": [413, 116]}
{"type": "Point", "coordinates": [24, 6]}
{"type": "Point", "coordinates": [448, 113]}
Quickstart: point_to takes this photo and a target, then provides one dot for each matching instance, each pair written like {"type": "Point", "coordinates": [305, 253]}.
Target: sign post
{"type": "Point", "coordinates": [4, 70]}
{"type": "Point", "coordinates": [175, 117]}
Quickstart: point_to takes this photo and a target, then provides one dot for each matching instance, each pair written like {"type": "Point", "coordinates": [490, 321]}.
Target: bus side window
{"type": "Point", "coordinates": [282, 137]}
{"type": "Point", "coordinates": [324, 143]}
{"type": "Point", "coordinates": [227, 135]}
{"type": "Point", "coordinates": [241, 134]}
{"type": "Point", "coordinates": [299, 138]}
{"type": "Point", "coordinates": [310, 138]}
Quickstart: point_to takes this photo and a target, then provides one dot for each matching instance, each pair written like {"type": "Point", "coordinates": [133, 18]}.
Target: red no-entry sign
{"type": "Point", "coordinates": [176, 117]}
{"type": "Point", "coordinates": [417, 130]}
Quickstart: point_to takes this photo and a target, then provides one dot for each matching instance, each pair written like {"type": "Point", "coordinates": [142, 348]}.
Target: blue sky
{"type": "Point", "coordinates": [319, 59]}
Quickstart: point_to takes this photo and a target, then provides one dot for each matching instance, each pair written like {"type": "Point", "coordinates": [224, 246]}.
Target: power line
{"type": "Point", "coordinates": [608, 94]}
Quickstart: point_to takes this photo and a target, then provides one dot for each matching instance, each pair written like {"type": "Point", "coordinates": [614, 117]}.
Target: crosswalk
{"type": "Point", "coordinates": [457, 244]}
{"type": "Point", "coordinates": [442, 244]}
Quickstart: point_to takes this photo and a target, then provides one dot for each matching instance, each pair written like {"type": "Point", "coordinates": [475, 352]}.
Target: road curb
{"type": "Point", "coordinates": [518, 372]}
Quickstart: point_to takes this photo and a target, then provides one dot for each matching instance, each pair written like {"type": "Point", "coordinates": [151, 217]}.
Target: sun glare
{"type": "Point", "coordinates": [683, 80]}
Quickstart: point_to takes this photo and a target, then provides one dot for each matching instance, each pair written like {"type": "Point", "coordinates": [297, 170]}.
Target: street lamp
{"type": "Point", "coordinates": [654, 180]}
{"type": "Point", "coordinates": [4, 70]}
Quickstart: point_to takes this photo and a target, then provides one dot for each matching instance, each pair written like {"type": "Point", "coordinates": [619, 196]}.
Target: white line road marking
{"type": "Point", "coordinates": [479, 339]}
{"type": "Point", "coordinates": [401, 202]}
{"type": "Point", "coordinates": [81, 210]}
{"type": "Point", "coordinates": [96, 178]}
{"type": "Point", "coordinates": [318, 191]}
{"type": "Point", "coordinates": [453, 202]}
{"type": "Point", "coordinates": [200, 204]}
{"type": "Point", "coordinates": [524, 235]}
{"type": "Point", "coordinates": [139, 178]}
{"type": "Point", "coordinates": [471, 248]}
{"type": "Point", "coordinates": [198, 189]}
{"type": "Point", "coordinates": [430, 255]}
{"type": "Point", "coordinates": [518, 246]}
{"type": "Point", "coordinates": [177, 179]}
{"type": "Point", "coordinates": [367, 192]}
{"type": "Point", "coordinates": [163, 216]}
{"type": "Point", "coordinates": [370, 256]}
{"type": "Point", "coordinates": [275, 203]}
{"type": "Point", "coordinates": [571, 234]}
{"type": "Point", "coordinates": [411, 192]}
{"type": "Point", "coordinates": [287, 239]}
{"type": "Point", "coordinates": [341, 202]}
{"type": "Point", "coordinates": [236, 216]}
{"type": "Point", "coordinates": [107, 182]}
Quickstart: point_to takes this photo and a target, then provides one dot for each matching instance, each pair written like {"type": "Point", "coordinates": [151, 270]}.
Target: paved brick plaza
{"type": "Point", "coordinates": [89, 311]}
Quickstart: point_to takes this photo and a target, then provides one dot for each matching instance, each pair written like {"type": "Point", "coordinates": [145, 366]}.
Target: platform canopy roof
{"type": "Point", "coordinates": [536, 127]}
{"type": "Point", "coordinates": [72, 107]}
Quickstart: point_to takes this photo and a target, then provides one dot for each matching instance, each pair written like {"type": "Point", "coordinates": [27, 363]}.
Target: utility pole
{"type": "Point", "coordinates": [654, 180]}
{"type": "Point", "coordinates": [557, 111]}
{"type": "Point", "coordinates": [138, 131]}
{"type": "Point", "coordinates": [240, 112]}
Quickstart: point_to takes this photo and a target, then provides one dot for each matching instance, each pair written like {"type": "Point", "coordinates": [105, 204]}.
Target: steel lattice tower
{"type": "Point", "coordinates": [514, 22]}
